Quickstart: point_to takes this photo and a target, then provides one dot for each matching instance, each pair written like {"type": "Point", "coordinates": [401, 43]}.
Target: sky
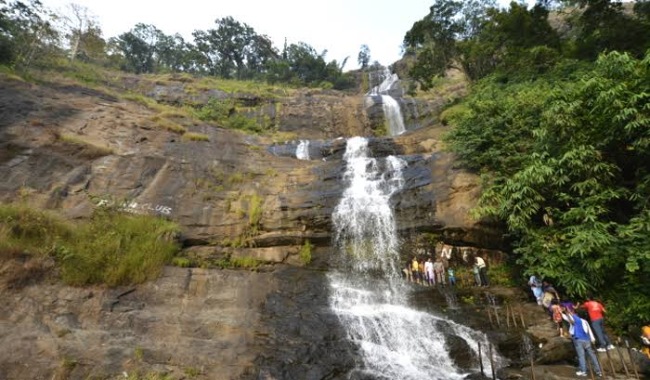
{"type": "Point", "coordinates": [338, 26]}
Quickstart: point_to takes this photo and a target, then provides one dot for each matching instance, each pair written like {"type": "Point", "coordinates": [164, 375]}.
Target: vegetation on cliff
{"type": "Point", "coordinates": [561, 138]}
{"type": "Point", "coordinates": [111, 248]}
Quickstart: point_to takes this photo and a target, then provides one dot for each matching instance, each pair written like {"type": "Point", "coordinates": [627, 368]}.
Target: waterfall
{"type": "Point", "coordinates": [367, 291]}
{"type": "Point", "coordinates": [302, 151]}
{"type": "Point", "coordinates": [393, 115]}
{"type": "Point", "coordinates": [392, 110]}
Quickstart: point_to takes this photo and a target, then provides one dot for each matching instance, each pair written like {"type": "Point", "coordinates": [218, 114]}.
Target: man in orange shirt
{"type": "Point", "coordinates": [596, 312]}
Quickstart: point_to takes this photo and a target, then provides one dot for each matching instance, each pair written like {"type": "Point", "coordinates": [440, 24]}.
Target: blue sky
{"type": "Point", "coordinates": [338, 26]}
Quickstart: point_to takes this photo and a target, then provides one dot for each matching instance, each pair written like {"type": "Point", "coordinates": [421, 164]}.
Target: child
{"type": "Point", "coordinates": [452, 277]}
{"type": "Point", "coordinates": [556, 312]}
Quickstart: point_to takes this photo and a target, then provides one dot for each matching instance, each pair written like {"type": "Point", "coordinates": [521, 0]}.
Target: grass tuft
{"type": "Point", "coordinates": [192, 136]}
{"type": "Point", "coordinates": [111, 248]}
{"type": "Point", "coordinates": [85, 148]}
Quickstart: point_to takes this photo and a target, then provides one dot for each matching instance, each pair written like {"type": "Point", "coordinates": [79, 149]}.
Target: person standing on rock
{"type": "Point", "coordinates": [536, 287]}
{"type": "Point", "coordinates": [428, 272]}
{"type": "Point", "coordinates": [477, 275]}
{"type": "Point", "coordinates": [439, 271]}
{"type": "Point", "coordinates": [482, 270]}
{"type": "Point", "coordinates": [596, 312]}
{"type": "Point", "coordinates": [407, 272]}
{"type": "Point", "coordinates": [583, 338]}
{"type": "Point", "coordinates": [452, 276]}
{"type": "Point", "coordinates": [645, 339]}
{"type": "Point", "coordinates": [415, 273]}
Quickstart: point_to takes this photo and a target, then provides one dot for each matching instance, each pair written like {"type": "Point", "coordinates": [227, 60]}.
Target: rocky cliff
{"type": "Point", "coordinates": [70, 147]}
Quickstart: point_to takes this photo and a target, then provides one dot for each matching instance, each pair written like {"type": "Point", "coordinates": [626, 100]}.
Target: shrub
{"type": "Point", "coordinates": [182, 262]}
{"type": "Point", "coordinates": [111, 248]}
{"type": "Point", "coordinates": [453, 113]}
{"type": "Point", "coordinates": [305, 252]}
{"type": "Point", "coordinates": [234, 262]}
{"type": "Point", "coordinates": [118, 249]}
{"type": "Point", "coordinates": [164, 123]}
{"type": "Point", "coordinates": [215, 110]}
{"type": "Point", "coordinates": [30, 231]}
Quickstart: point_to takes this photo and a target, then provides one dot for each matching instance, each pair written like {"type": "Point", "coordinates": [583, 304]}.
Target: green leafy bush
{"type": "Point", "coordinates": [566, 161]}
{"type": "Point", "coordinates": [224, 112]}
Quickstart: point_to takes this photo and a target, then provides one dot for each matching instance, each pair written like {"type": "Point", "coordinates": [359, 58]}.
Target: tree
{"type": "Point", "coordinates": [6, 49]}
{"type": "Point", "coordinates": [174, 54]}
{"type": "Point", "coordinates": [434, 40]}
{"type": "Point", "coordinates": [234, 50]}
{"type": "Point", "coordinates": [515, 40]}
{"type": "Point", "coordinates": [83, 33]}
{"type": "Point", "coordinates": [25, 32]}
{"type": "Point", "coordinates": [364, 57]}
{"type": "Point", "coordinates": [478, 38]}
{"type": "Point", "coordinates": [138, 48]}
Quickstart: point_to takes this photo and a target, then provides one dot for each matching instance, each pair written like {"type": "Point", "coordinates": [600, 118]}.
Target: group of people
{"type": "Point", "coordinates": [428, 272]}
{"type": "Point", "coordinates": [584, 333]}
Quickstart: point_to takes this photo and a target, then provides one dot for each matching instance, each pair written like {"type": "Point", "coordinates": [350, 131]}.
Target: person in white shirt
{"type": "Point", "coordinates": [536, 287]}
{"type": "Point", "coordinates": [482, 270]}
{"type": "Point", "coordinates": [428, 270]}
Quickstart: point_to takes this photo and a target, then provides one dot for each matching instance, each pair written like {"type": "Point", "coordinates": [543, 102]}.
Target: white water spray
{"type": "Point", "coordinates": [367, 292]}
{"type": "Point", "coordinates": [393, 115]}
{"type": "Point", "coordinates": [302, 151]}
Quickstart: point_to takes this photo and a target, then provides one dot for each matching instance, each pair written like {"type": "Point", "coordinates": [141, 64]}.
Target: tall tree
{"type": "Point", "coordinates": [82, 32]}
{"type": "Point", "coordinates": [435, 39]}
{"type": "Point", "coordinates": [234, 50]}
{"type": "Point", "coordinates": [569, 162]}
{"type": "Point", "coordinates": [364, 57]}
{"type": "Point", "coordinates": [138, 48]}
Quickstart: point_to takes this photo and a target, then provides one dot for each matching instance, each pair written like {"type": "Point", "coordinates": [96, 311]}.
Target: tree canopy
{"type": "Point", "coordinates": [480, 38]}
{"type": "Point", "coordinates": [558, 124]}
{"type": "Point", "coordinates": [567, 164]}
{"type": "Point", "coordinates": [231, 49]}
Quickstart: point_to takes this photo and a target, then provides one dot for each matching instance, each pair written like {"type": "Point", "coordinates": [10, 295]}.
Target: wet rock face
{"type": "Point", "coordinates": [460, 352]}
{"type": "Point", "coordinates": [220, 324]}
{"type": "Point", "coordinates": [308, 340]}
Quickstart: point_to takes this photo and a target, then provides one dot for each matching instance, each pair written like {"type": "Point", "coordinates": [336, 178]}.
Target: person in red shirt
{"type": "Point", "coordinates": [596, 312]}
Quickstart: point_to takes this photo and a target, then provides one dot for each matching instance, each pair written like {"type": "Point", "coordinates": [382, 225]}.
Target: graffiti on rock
{"type": "Point", "coordinates": [138, 208]}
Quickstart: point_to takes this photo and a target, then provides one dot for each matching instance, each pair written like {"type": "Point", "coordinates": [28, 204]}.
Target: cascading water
{"type": "Point", "coordinates": [367, 292]}
{"type": "Point", "coordinates": [391, 107]}
{"type": "Point", "coordinates": [302, 151]}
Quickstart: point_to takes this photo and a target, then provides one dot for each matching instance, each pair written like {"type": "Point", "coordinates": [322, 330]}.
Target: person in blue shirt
{"type": "Point", "coordinates": [583, 338]}
{"type": "Point", "coordinates": [452, 277]}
